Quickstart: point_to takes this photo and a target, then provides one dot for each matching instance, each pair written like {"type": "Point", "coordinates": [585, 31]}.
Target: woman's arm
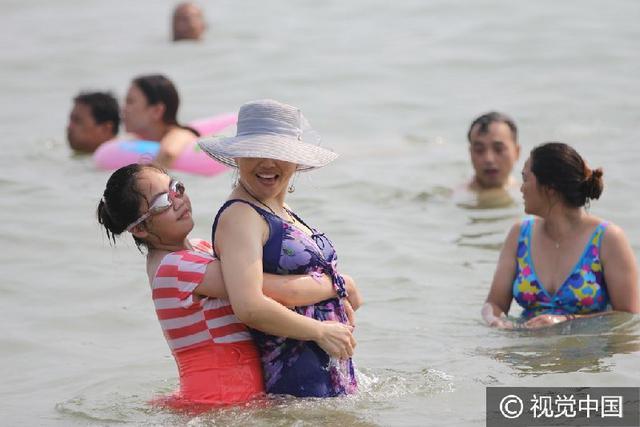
{"type": "Point", "coordinates": [545, 320]}
{"type": "Point", "coordinates": [239, 238]}
{"type": "Point", "coordinates": [306, 289]}
{"type": "Point", "coordinates": [297, 290]}
{"type": "Point", "coordinates": [172, 145]}
{"type": "Point", "coordinates": [620, 270]}
{"type": "Point", "coordinates": [290, 290]}
{"type": "Point", "coordinates": [353, 293]}
{"type": "Point", "coordinates": [496, 306]}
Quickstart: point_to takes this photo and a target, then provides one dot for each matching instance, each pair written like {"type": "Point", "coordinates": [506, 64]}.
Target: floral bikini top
{"type": "Point", "coordinates": [584, 291]}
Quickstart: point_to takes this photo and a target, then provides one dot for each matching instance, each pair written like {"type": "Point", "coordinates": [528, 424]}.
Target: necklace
{"type": "Point", "coordinates": [556, 242]}
{"type": "Point", "coordinates": [290, 221]}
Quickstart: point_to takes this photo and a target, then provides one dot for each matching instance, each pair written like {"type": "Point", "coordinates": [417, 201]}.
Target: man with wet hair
{"type": "Point", "coordinates": [494, 150]}
{"type": "Point", "coordinates": [188, 22]}
{"type": "Point", "coordinates": [94, 119]}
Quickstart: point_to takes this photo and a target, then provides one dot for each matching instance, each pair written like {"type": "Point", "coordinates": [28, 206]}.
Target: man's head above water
{"type": "Point", "coordinates": [494, 150]}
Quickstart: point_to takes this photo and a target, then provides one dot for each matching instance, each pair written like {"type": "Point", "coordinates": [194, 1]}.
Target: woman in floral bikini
{"type": "Point", "coordinates": [255, 232]}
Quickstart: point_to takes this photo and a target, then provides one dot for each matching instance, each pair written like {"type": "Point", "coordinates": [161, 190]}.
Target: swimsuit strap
{"type": "Point", "coordinates": [600, 230]}
{"type": "Point", "coordinates": [526, 228]}
{"type": "Point", "coordinates": [226, 204]}
{"type": "Point", "coordinates": [596, 240]}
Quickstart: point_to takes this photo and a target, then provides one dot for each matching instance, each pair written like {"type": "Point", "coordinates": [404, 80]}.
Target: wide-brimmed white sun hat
{"type": "Point", "coordinates": [269, 129]}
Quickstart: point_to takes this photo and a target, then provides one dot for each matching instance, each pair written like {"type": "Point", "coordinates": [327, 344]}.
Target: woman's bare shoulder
{"type": "Point", "coordinates": [614, 234]}
{"type": "Point", "coordinates": [178, 134]}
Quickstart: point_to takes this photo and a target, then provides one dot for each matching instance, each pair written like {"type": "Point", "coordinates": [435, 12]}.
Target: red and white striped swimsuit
{"type": "Point", "coordinates": [189, 321]}
{"type": "Point", "coordinates": [216, 357]}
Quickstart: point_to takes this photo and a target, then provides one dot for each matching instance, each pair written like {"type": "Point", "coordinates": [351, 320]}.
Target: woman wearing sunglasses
{"type": "Point", "coordinates": [217, 360]}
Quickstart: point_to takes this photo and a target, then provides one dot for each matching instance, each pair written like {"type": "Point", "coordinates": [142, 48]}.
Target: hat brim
{"type": "Point", "coordinates": [278, 147]}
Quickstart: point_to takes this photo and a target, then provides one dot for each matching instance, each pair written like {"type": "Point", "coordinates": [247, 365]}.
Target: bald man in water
{"type": "Point", "coordinates": [188, 22]}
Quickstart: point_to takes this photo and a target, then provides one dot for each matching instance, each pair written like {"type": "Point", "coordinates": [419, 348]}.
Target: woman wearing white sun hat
{"type": "Point", "coordinates": [255, 232]}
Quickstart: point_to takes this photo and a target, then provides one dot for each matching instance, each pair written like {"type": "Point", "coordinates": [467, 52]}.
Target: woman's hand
{"type": "Point", "coordinates": [500, 322]}
{"type": "Point", "coordinates": [545, 320]}
{"type": "Point", "coordinates": [336, 339]}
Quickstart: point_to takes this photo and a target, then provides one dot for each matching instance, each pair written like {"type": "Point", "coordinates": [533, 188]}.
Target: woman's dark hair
{"type": "Point", "coordinates": [120, 203]}
{"type": "Point", "coordinates": [158, 89]}
{"type": "Point", "coordinates": [559, 166]}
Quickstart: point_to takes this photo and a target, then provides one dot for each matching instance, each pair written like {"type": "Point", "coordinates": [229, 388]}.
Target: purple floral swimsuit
{"type": "Point", "coordinates": [301, 368]}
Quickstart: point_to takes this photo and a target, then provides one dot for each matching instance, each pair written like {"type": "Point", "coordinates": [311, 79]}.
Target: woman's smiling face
{"type": "Point", "coordinates": [265, 178]}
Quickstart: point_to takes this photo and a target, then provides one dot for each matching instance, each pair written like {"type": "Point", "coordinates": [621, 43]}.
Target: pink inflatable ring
{"type": "Point", "coordinates": [121, 152]}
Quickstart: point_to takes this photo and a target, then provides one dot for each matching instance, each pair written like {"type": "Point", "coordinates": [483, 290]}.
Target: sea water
{"type": "Point", "coordinates": [392, 87]}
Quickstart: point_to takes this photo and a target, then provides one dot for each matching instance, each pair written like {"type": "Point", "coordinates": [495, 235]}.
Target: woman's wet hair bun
{"type": "Point", "coordinates": [559, 166]}
{"type": "Point", "coordinates": [120, 203]}
{"type": "Point", "coordinates": [593, 184]}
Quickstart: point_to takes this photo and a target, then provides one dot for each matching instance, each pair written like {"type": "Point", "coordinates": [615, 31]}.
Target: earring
{"type": "Point", "coordinates": [292, 186]}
